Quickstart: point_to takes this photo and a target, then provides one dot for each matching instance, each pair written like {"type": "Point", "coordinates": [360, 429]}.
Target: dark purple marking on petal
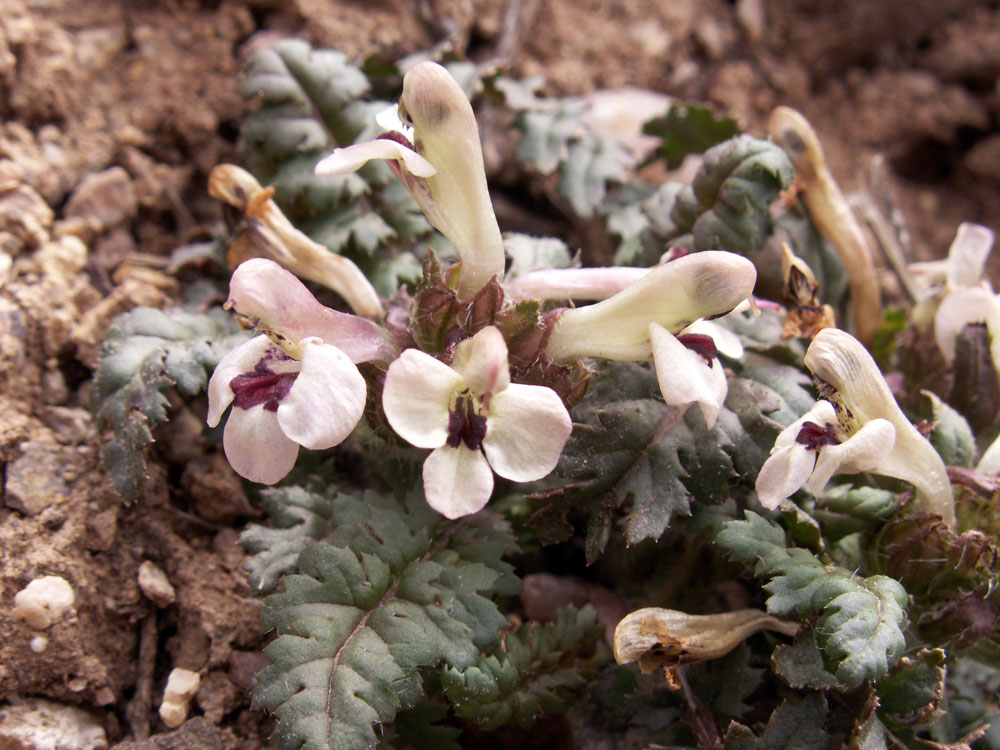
{"type": "Point", "coordinates": [814, 437]}
{"type": "Point", "coordinates": [262, 385]}
{"type": "Point", "coordinates": [466, 425]}
{"type": "Point", "coordinates": [395, 135]}
{"type": "Point", "coordinates": [701, 344]}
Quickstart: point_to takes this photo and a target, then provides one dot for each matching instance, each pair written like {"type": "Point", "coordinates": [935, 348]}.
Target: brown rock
{"type": "Point", "coordinates": [35, 480]}
{"type": "Point", "coordinates": [195, 734]}
{"type": "Point", "coordinates": [104, 200]}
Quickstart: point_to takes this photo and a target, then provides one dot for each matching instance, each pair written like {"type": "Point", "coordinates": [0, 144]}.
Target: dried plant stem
{"type": "Point", "coordinates": [831, 214]}
{"type": "Point", "coordinates": [139, 707]}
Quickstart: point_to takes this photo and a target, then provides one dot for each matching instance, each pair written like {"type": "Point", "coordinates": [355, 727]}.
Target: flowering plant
{"type": "Point", "coordinates": [479, 411]}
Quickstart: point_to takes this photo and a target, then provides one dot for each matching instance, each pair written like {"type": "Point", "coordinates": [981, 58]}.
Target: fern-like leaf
{"type": "Point", "coordinates": [542, 669]}
{"type": "Point", "coordinates": [860, 619]}
{"type": "Point", "coordinates": [146, 352]}
{"type": "Point", "coordinates": [553, 139]}
{"type": "Point", "coordinates": [390, 589]}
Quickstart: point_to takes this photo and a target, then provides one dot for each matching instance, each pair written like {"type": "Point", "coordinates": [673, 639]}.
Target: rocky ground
{"type": "Point", "coordinates": [111, 115]}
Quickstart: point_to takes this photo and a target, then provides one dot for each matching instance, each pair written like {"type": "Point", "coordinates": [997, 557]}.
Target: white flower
{"type": "Point", "coordinates": [814, 448]}
{"type": "Point", "coordinates": [280, 403]}
{"type": "Point", "coordinates": [475, 419]}
{"type": "Point", "coordinates": [967, 297]}
{"type": "Point", "coordinates": [655, 314]}
{"type": "Point", "coordinates": [298, 384]}
{"type": "Point", "coordinates": [443, 169]}
{"type": "Point", "coordinates": [861, 429]}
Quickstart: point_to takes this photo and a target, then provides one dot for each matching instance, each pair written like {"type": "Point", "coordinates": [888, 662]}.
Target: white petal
{"type": "Point", "coordinates": [351, 159]}
{"type": "Point", "coordinates": [256, 447]}
{"type": "Point", "coordinates": [458, 199]}
{"type": "Point", "coordinates": [989, 464]}
{"type": "Point", "coordinates": [684, 375]}
{"type": "Point", "coordinates": [417, 397]}
{"type": "Point", "coordinates": [967, 254]}
{"type": "Point", "coordinates": [238, 361]}
{"type": "Point", "coordinates": [388, 120]}
{"type": "Point", "coordinates": [526, 429]}
{"type": "Point", "coordinates": [957, 310]}
{"type": "Point", "coordinates": [482, 362]}
{"type": "Point", "coordinates": [861, 452]}
{"type": "Point", "coordinates": [784, 472]}
{"type": "Point", "coordinates": [457, 481]}
{"type": "Point", "coordinates": [326, 400]}
{"type": "Point", "coordinates": [572, 283]}
{"type": "Point", "coordinates": [727, 342]}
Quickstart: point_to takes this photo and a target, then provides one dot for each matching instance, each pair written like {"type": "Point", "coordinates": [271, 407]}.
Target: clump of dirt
{"type": "Point", "coordinates": [113, 114]}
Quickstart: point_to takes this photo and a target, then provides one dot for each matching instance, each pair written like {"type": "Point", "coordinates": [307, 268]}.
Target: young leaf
{"type": "Point", "coordinates": [689, 129]}
{"type": "Point", "coordinates": [146, 352]}
{"type": "Point", "coordinates": [391, 589]}
{"type": "Point", "coordinates": [912, 694]}
{"type": "Point", "coordinates": [419, 728]}
{"type": "Point", "coordinates": [794, 725]}
{"type": "Point", "coordinates": [541, 670]}
{"type": "Point", "coordinates": [801, 663]}
{"type": "Point", "coordinates": [952, 436]}
{"type": "Point", "coordinates": [726, 206]}
{"type": "Point", "coordinates": [860, 619]}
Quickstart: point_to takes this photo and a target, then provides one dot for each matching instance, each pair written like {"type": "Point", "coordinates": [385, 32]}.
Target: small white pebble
{"type": "Point", "coordinates": [38, 644]}
{"type": "Point", "coordinates": [182, 684]}
{"type": "Point", "coordinates": [44, 601]}
{"type": "Point", "coordinates": [155, 585]}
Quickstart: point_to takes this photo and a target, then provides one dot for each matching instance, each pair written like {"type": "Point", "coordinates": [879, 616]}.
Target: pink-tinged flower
{"type": "Point", "coordinates": [434, 149]}
{"type": "Point", "coordinates": [280, 403]}
{"type": "Point", "coordinates": [298, 384]}
{"type": "Point", "coordinates": [476, 421]}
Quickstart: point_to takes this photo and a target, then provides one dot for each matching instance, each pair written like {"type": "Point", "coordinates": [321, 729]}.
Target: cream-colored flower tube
{"type": "Point", "coordinates": [852, 382]}
{"type": "Point", "coordinates": [673, 295]}
{"type": "Point", "coordinates": [446, 134]}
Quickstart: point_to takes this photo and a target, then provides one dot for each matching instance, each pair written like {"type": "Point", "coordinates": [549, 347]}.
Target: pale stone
{"type": "Point", "coordinates": [44, 601]}
{"type": "Point", "coordinates": [37, 724]}
{"type": "Point", "coordinates": [155, 585]}
{"type": "Point", "coordinates": [182, 684]}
